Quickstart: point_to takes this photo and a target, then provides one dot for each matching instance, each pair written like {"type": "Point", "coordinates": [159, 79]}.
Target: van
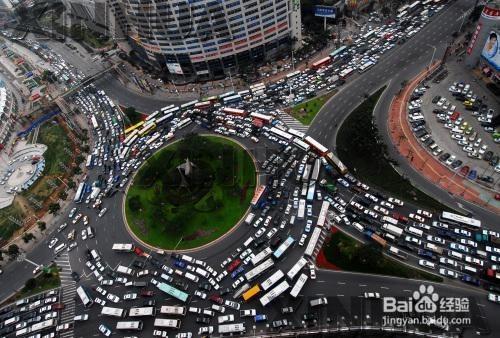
{"type": "Point", "coordinates": [249, 218]}
{"type": "Point", "coordinates": [59, 248]}
{"type": "Point", "coordinates": [90, 232]}
{"type": "Point", "coordinates": [318, 301]}
{"type": "Point", "coordinates": [292, 220]}
{"type": "Point", "coordinates": [95, 255]}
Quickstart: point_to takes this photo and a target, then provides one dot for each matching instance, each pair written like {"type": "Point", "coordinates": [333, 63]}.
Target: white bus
{"type": "Point", "coordinates": [281, 134]}
{"type": "Point", "coordinates": [301, 144]}
{"type": "Point", "coordinates": [95, 125]}
{"type": "Point", "coordinates": [322, 214]}
{"type": "Point", "coordinates": [135, 325]}
{"type": "Point", "coordinates": [86, 300]}
{"type": "Point", "coordinates": [296, 268]}
{"type": "Point", "coordinates": [123, 247]}
{"type": "Point", "coordinates": [184, 123]}
{"type": "Point", "coordinates": [302, 209]}
{"type": "Point", "coordinates": [259, 269]}
{"type": "Point", "coordinates": [298, 134]}
{"type": "Point", "coordinates": [365, 66]}
{"type": "Point", "coordinates": [231, 328]}
{"type": "Point", "coordinates": [113, 311]}
{"type": "Point", "coordinates": [274, 293]}
{"type": "Point", "coordinates": [292, 74]}
{"type": "Point", "coordinates": [261, 256]}
{"type": "Point", "coordinates": [273, 279]}
{"type": "Point", "coordinates": [142, 311]}
{"type": "Point", "coordinates": [42, 325]}
{"type": "Point", "coordinates": [170, 323]}
{"type": "Point", "coordinates": [299, 284]}
{"type": "Point", "coordinates": [392, 229]}
{"type": "Point", "coordinates": [346, 72]}
{"type": "Point", "coordinates": [414, 231]}
{"type": "Point", "coordinates": [313, 241]}
{"type": "Point", "coordinates": [471, 222]}
{"type": "Point", "coordinates": [173, 310]}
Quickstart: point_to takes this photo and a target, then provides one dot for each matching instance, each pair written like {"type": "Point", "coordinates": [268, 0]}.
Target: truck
{"type": "Point", "coordinates": [376, 238]}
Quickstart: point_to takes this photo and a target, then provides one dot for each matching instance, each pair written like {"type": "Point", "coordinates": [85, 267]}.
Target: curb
{"type": "Point", "coordinates": [204, 246]}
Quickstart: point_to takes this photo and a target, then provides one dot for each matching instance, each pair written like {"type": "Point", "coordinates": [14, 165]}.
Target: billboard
{"type": "Point", "coordinates": [491, 50]}
{"type": "Point", "coordinates": [324, 11]}
{"type": "Point", "coordinates": [174, 68]}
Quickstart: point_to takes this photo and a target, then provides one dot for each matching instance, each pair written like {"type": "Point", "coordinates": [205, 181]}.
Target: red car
{"type": "Point", "coordinates": [464, 170]}
{"type": "Point", "coordinates": [497, 197]}
{"type": "Point", "coordinates": [216, 299]}
{"type": "Point", "coordinates": [57, 306]}
{"type": "Point", "coordinates": [400, 217]}
{"type": "Point", "coordinates": [233, 265]}
{"type": "Point", "coordinates": [147, 293]}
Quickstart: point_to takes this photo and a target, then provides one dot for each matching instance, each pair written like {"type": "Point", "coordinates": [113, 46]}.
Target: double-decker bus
{"type": "Point", "coordinates": [86, 300]}
{"type": "Point", "coordinates": [250, 293]}
{"type": "Point", "coordinates": [274, 293]}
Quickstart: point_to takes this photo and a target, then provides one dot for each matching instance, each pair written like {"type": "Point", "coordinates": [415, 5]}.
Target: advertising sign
{"type": "Point", "coordinates": [324, 11]}
{"type": "Point", "coordinates": [472, 42]}
{"type": "Point", "coordinates": [491, 50]}
{"type": "Point", "coordinates": [175, 68]}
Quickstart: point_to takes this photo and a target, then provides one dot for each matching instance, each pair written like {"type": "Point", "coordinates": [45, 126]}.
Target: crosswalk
{"type": "Point", "coordinates": [292, 122]}
{"type": "Point", "coordinates": [68, 287]}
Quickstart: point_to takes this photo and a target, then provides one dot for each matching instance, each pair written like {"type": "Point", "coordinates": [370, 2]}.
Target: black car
{"type": "Point", "coordinates": [444, 157]}
{"type": "Point", "coordinates": [156, 262]}
{"type": "Point", "coordinates": [149, 302]}
{"type": "Point", "coordinates": [455, 164]}
{"type": "Point", "coordinates": [202, 320]}
{"type": "Point", "coordinates": [138, 264]}
{"type": "Point", "coordinates": [205, 286]}
{"type": "Point", "coordinates": [488, 155]}
{"type": "Point", "coordinates": [75, 276]}
{"type": "Point", "coordinates": [225, 291]}
{"type": "Point", "coordinates": [309, 317]}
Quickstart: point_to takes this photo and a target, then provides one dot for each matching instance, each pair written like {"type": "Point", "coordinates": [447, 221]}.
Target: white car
{"type": "Point", "coordinates": [85, 220]}
{"type": "Point", "coordinates": [122, 280]}
{"type": "Point", "coordinates": [113, 298]}
{"type": "Point", "coordinates": [395, 201]}
{"type": "Point", "coordinates": [104, 330]}
{"type": "Point", "coordinates": [62, 227]}
{"type": "Point", "coordinates": [448, 273]}
{"type": "Point", "coordinates": [448, 261]}
{"type": "Point", "coordinates": [130, 296]}
{"type": "Point", "coordinates": [81, 318]}
{"type": "Point", "coordinates": [416, 217]}
{"type": "Point", "coordinates": [72, 246]}
{"type": "Point", "coordinates": [381, 210]}
{"type": "Point", "coordinates": [200, 294]}
{"type": "Point", "coordinates": [387, 205]}
{"type": "Point", "coordinates": [101, 291]}
{"type": "Point", "coordinates": [225, 319]}
{"type": "Point", "coordinates": [493, 298]}
{"type": "Point", "coordinates": [90, 265]}
{"type": "Point", "coordinates": [206, 330]}
{"type": "Point", "coordinates": [84, 234]}
{"type": "Point", "coordinates": [302, 240]}
{"type": "Point", "coordinates": [77, 218]}
{"type": "Point", "coordinates": [218, 308]}
{"type": "Point", "coordinates": [72, 213]}
{"type": "Point", "coordinates": [312, 271]}
{"type": "Point", "coordinates": [100, 301]}
{"type": "Point", "coordinates": [232, 304]}
{"type": "Point", "coordinates": [107, 282]}
{"type": "Point", "coordinates": [372, 295]}
{"type": "Point", "coordinates": [424, 213]}
{"type": "Point", "coordinates": [53, 242]}
{"type": "Point", "coordinates": [102, 212]}
{"type": "Point", "coordinates": [237, 282]}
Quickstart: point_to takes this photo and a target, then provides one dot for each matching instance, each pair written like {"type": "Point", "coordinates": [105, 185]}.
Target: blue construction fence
{"type": "Point", "coordinates": [38, 122]}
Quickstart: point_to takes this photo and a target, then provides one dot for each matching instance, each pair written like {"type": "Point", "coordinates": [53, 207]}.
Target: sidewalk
{"type": "Point", "coordinates": [433, 170]}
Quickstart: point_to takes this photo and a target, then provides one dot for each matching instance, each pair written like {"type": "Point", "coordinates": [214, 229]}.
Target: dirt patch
{"type": "Point", "coordinates": [198, 234]}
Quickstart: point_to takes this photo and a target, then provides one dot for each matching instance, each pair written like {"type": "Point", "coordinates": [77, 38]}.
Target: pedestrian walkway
{"type": "Point", "coordinates": [68, 288]}
{"type": "Point", "coordinates": [292, 122]}
{"type": "Point", "coordinates": [421, 160]}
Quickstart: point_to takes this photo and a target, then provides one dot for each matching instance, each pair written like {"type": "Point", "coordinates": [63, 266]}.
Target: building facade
{"type": "Point", "coordinates": [206, 39]}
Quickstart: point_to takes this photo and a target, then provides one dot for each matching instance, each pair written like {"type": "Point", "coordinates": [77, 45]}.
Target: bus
{"type": "Point", "coordinates": [287, 243]}
{"type": "Point", "coordinates": [125, 270]}
{"type": "Point", "coordinates": [135, 325]}
{"type": "Point", "coordinates": [281, 134]}
{"type": "Point", "coordinates": [165, 118]}
{"type": "Point", "coordinates": [147, 129]}
{"type": "Point", "coordinates": [152, 116]}
{"type": "Point", "coordinates": [274, 293]}
{"type": "Point", "coordinates": [338, 51]}
{"type": "Point", "coordinates": [90, 161]}
{"type": "Point", "coordinates": [130, 136]}
{"type": "Point", "coordinates": [365, 66]}
{"type": "Point", "coordinates": [134, 127]}
{"type": "Point", "coordinates": [167, 108]}
{"type": "Point", "coordinates": [231, 328]}
{"type": "Point", "coordinates": [273, 279]}
{"type": "Point", "coordinates": [211, 99]}
{"type": "Point", "coordinates": [188, 105]}
{"type": "Point", "coordinates": [414, 231]}
{"type": "Point", "coordinates": [250, 293]}
{"type": "Point", "coordinates": [184, 123]}
{"type": "Point", "coordinates": [79, 193]}
{"type": "Point", "coordinates": [296, 268]}
{"type": "Point", "coordinates": [310, 192]}
{"type": "Point", "coordinates": [317, 147]}
{"type": "Point", "coordinates": [142, 311]}
{"type": "Point", "coordinates": [302, 208]}
{"type": "Point", "coordinates": [262, 117]}
{"type": "Point", "coordinates": [398, 253]}
{"type": "Point", "coordinates": [259, 269]}
{"type": "Point", "coordinates": [173, 310]}
{"type": "Point", "coordinates": [42, 325]}
{"type": "Point", "coordinates": [153, 138]}
{"type": "Point", "coordinates": [231, 99]}
{"type": "Point", "coordinates": [257, 86]}
{"type": "Point", "coordinates": [298, 134]}
{"type": "Point", "coordinates": [86, 300]}
{"type": "Point", "coordinates": [293, 74]}
{"type": "Point", "coordinates": [301, 144]}
{"type": "Point", "coordinates": [336, 163]}
{"type": "Point", "coordinates": [124, 153]}
{"type": "Point", "coordinates": [344, 74]}
{"type": "Point", "coordinates": [316, 170]}
{"type": "Point", "coordinates": [231, 93]}
{"type": "Point", "coordinates": [323, 213]}
{"type": "Point", "coordinates": [413, 7]}
{"type": "Point", "coordinates": [234, 111]}
{"type": "Point", "coordinates": [113, 312]}
{"type": "Point", "coordinates": [402, 9]}
{"type": "Point", "coordinates": [93, 120]}
{"type": "Point", "coordinates": [321, 63]}
{"type": "Point", "coordinates": [170, 290]}
{"type": "Point", "coordinates": [170, 323]}
{"type": "Point", "coordinates": [467, 221]}
{"type": "Point", "coordinates": [313, 241]}
{"type": "Point", "coordinates": [299, 284]}
{"type": "Point", "coordinates": [131, 140]}
{"type": "Point", "coordinates": [202, 105]}
{"type": "Point", "coordinates": [392, 229]}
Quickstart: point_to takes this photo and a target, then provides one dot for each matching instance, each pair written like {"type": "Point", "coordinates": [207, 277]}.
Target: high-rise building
{"type": "Point", "coordinates": [206, 39]}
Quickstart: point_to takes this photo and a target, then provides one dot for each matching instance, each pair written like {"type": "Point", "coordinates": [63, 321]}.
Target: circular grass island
{"type": "Point", "coordinates": [191, 192]}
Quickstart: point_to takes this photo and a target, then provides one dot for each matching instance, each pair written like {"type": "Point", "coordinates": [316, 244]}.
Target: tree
{"type": "Point", "coordinates": [54, 207]}
{"type": "Point", "coordinates": [77, 170]}
{"type": "Point", "coordinates": [28, 236]}
{"type": "Point", "coordinates": [42, 225]}
{"type": "Point", "coordinates": [133, 115]}
{"type": "Point", "coordinates": [13, 250]}
{"type": "Point", "coordinates": [63, 195]}
{"type": "Point", "coordinates": [30, 284]}
{"type": "Point", "coordinates": [71, 184]}
{"type": "Point", "coordinates": [134, 203]}
{"type": "Point", "coordinates": [79, 159]}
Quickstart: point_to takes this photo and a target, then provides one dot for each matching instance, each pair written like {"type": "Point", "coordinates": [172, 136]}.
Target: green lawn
{"type": "Point", "coordinates": [10, 218]}
{"type": "Point", "coordinates": [58, 147]}
{"type": "Point", "coordinates": [360, 147]}
{"type": "Point", "coordinates": [219, 192]}
{"type": "Point", "coordinates": [350, 255]}
{"type": "Point", "coordinates": [306, 111]}
{"type": "Point", "coordinates": [45, 281]}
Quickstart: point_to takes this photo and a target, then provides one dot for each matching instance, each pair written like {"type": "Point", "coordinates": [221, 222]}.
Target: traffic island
{"type": "Point", "coordinates": [190, 193]}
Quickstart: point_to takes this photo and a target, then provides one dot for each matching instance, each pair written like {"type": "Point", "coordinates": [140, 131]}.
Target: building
{"type": "Point", "coordinates": [209, 39]}
{"type": "Point", "coordinates": [6, 122]}
{"type": "Point", "coordinates": [484, 46]}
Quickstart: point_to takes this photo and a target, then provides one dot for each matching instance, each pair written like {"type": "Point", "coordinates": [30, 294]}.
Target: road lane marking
{"type": "Point", "coordinates": [384, 287]}
{"type": "Point", "coordinates": [362, 285]}
{"type": "Point", "coordinates": [341, 283]}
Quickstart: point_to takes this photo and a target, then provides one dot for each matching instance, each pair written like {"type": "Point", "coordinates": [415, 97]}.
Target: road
{"type": "Point", "coordinates": [402, 63]}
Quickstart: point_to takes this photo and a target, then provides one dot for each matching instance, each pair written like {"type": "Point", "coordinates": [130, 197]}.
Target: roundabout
{"type": "Point", "coordinates": [190, 192]}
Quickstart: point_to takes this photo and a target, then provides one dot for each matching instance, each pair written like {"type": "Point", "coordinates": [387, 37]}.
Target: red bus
{"type": "Point", "coordinates": [202, 105]}
{"type": "Point", "coordinates": [321, 63]}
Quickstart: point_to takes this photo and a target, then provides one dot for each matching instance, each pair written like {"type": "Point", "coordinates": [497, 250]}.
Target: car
{"type": "Point", "coordinates": [113, 298]}
{"type": "Point", "coordinates": [71, 246]}
{"type": "Point", "coordinates": [395, 201]}
{"type": "Point", "coordinates": [102, 212]}
{"type": "Point", "coordinates": [248, 313]}
{"type": "Point", "coordinates": [75, 276]}
{"type": "Point", "coordinates": [85, 220]}
{"type": "Point", "coordinates": [84, 234]}
{"type": "Point", "coordinates": [160, 333]}
{"type": "Point", "coordinates": [370, 295]}
{"type": "Point", "coordinates": [416, 217]}
{"type": "Point", "coordinates": [100, 301]}
{"type": "Point", "coordinates": [107, 282]}
{"type": "Point", "coordinates": [147, 293]}
{"type": "Point", "coordinates": [53, 242]}
{"type": "Point", "coordinates": [225, 319]}
{"type": "Point", "coordinates": [493, 298]}
{"type": "Point", "coordinates": [207, 330]}
{"type": "Point", "coordinates": [237, 282]}
{"type": "Point", "coordinates": [231, 304]}
{"type": "Point", "coordinates": [216, 299]}
{"type": "Point", "coordinates": [424, 213]}
{"type": "Point", "coordinates": [77, 218]}
{"type": "Point", "coordinates": [287, 309]}
{"type": "Point", "coordinates": [62, 227]}
{"type": "Point", "coordinates": [312, 271]}
{"type": "Point", "coordinates": [81, 318]}
{"type": "Point", "coordinates": [184, 335]}
{"type": "Point", "coordinates": [302, 240]}
{"type": "Point", "coordinates": [72, 213]}
{"type": "Point", "coordinates": [104, 330]}
{"type": "Point", "coordinates": [130, 296]}
{"type": "Point", "coordinates": [37, 269]}
{"type": "Point", "coordinates": [308, 226]}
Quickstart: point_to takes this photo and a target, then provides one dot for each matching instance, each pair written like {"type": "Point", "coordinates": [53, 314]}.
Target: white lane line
{"type": "Point", "coordinates": [362, 285]}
